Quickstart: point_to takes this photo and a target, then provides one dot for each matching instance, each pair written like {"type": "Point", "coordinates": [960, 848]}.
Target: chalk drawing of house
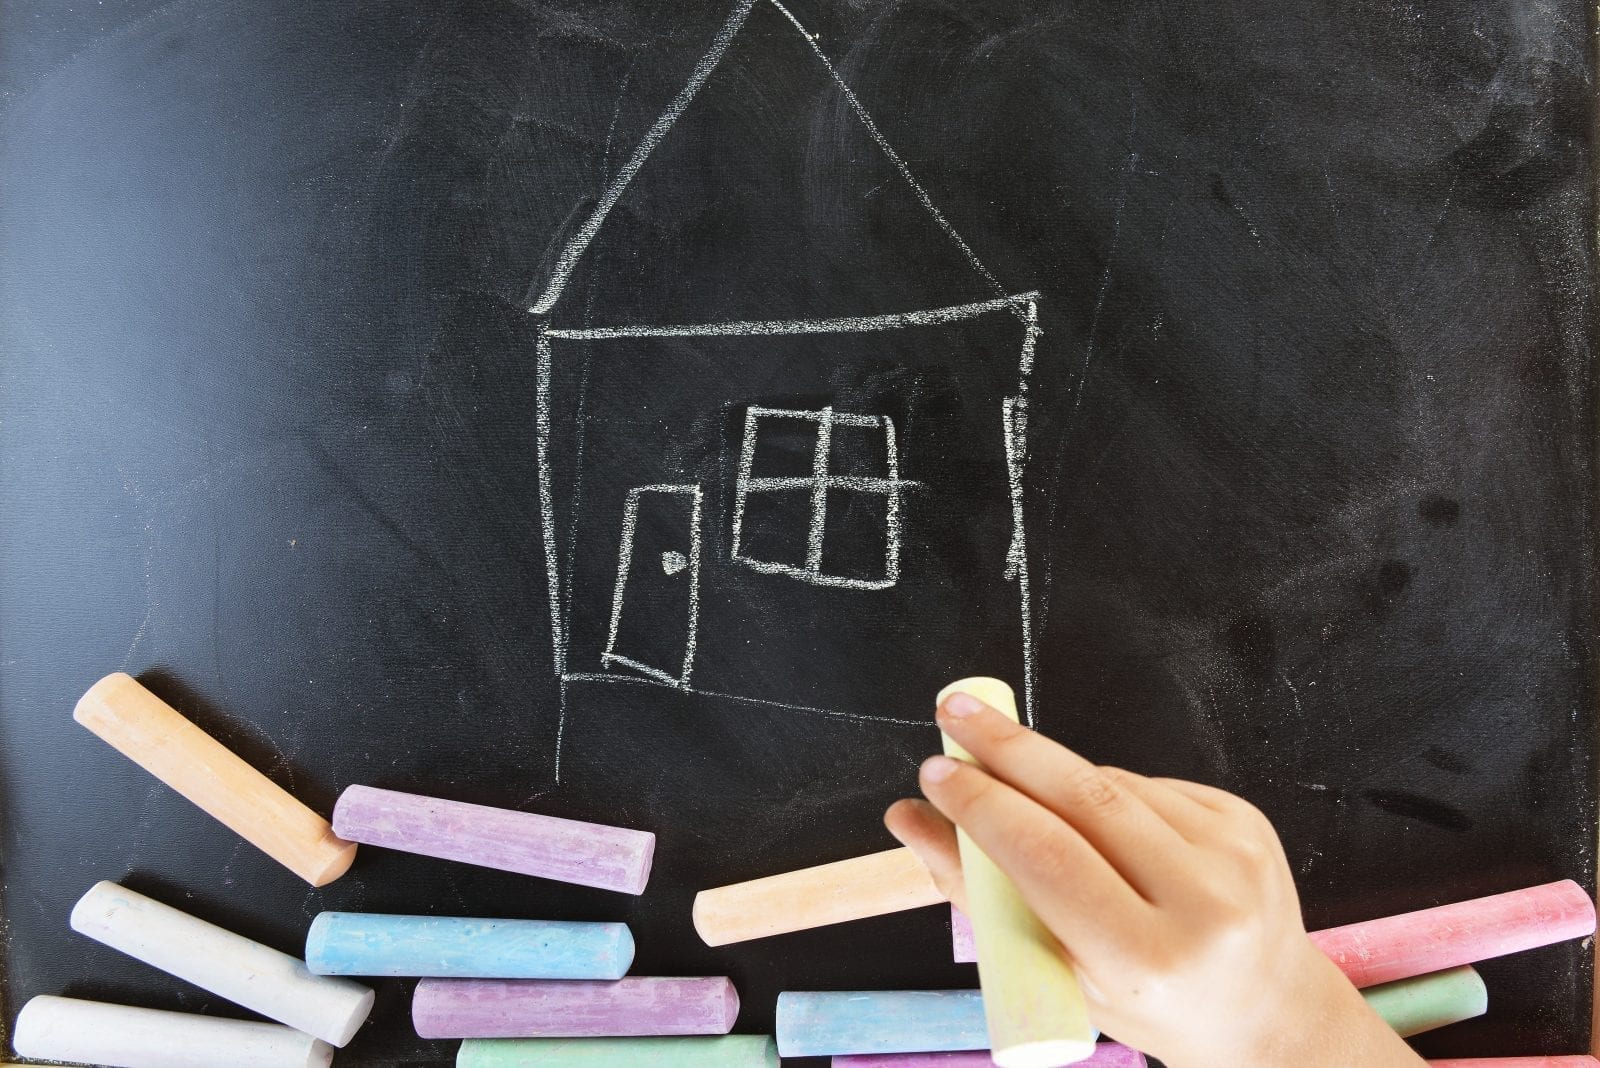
{"type": "Point", "coordinates": [820, 508]}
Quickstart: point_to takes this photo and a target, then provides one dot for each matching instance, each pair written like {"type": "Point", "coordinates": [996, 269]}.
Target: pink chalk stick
{"type": "Point", "coordinates": [1106, 1055]}
{"type": "Point", "coordinates": [1430, 940]}
{"type": "Point", "coordinates": [962, 948]}
{"type": "Point", "coordinates": [1516, 1062]}
{"type": "Point", "coordinates": [588, 854]}
{"type": "Point", "coordinates": [560, 1008]}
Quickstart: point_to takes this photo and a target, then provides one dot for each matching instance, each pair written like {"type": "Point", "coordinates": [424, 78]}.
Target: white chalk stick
{"type": "Point", "coordinates": [120, 1036]}
{"type": "Point", "coordinates": [229, 965]}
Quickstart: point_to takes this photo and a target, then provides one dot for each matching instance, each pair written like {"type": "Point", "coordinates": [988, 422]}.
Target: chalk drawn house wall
{"type": "Point", "coordinates": [751, 486]}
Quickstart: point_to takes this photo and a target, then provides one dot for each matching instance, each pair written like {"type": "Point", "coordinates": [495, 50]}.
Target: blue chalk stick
{"type": "Point", "coordinates": [834, 1023]}
{"type": "Point", "coordinates": [359, 943]}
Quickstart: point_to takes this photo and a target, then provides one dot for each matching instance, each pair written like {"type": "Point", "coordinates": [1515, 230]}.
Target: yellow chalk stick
{"type": "Point", "coordinates": [1033, 1005]}
{"type": "Point", "coordinates": [814, 897]}
{"type": "Point", "coordinates": [152, 734]}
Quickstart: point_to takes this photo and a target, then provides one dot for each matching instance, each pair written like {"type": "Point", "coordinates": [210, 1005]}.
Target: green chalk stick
{"type": "Point", "coordinates": [1412, 1006]}
{"type": "Point", "coordinates": [696, 1051]}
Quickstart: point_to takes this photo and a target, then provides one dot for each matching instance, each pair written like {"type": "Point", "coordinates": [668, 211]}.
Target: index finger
{"type": "Point", "coordinates": [1072, 888]}
{"type": "Point", "coordinates": [1148, 851]}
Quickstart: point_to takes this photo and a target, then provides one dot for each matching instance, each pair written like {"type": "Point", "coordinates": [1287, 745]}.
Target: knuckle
{"type": "Point", "coordinates": [1041, 843]}
{"type": "Point", "coordinates": [1249, 846]}
{"type": "Point", "coordinates": [1120, 776]}
{"type": "Point", "coordinates": [1096, 792]}
{"type": "Point", "coordinates": [1008, 737]}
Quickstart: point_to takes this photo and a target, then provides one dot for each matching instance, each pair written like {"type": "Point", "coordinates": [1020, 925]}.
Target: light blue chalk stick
{"type": "Point", "coordinates": [831, 1023]}
{"type": "Point", "coordinates": [360, 943]}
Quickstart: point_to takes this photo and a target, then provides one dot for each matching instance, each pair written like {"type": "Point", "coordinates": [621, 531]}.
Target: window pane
{"type": "Point", "coordinates": [859, 451]}
{"type": "Point", "coordinates": [775, 527]}
{"type": "Point", "coordinates": [855, 537]}
{"type": "Point", "coordinates": [786, 447]}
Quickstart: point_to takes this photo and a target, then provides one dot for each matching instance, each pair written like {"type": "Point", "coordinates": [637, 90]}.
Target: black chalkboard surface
{"type": "Point", "coordinates": [1221, 374]}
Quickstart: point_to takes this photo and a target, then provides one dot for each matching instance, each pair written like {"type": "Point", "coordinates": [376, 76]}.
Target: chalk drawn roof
{"type": "Point", "coordinates": [546, 298]}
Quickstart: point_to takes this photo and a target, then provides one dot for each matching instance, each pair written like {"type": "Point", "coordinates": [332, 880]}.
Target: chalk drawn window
{"type": "Point", "coordinates": [818, 498]}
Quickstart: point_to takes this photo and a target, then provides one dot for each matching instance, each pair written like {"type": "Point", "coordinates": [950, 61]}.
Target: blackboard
{"type": "Point", "coordinates": [1252, 436]}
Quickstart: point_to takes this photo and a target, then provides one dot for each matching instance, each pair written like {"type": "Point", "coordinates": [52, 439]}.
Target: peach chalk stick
{"type": "Point", "coordinates": [853, 889]}
{"type": "Point", "coordinates": [1580, 1061]}
{"type": "Point", "coordinates": [151, 733]}
{"type": "Point", "coordinates": [1431, 940]}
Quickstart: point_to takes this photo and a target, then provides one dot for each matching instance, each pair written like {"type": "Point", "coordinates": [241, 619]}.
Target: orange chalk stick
{"type": "Point", "coordinates": [152, 734]}
{"type": "Point", "coordinates": [814, 897]}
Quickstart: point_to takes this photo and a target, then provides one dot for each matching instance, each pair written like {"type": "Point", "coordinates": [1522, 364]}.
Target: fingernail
{"type": "Point", "coordinates": [938, 768]}
{"type": "Point", "coordinates": [962, 705]}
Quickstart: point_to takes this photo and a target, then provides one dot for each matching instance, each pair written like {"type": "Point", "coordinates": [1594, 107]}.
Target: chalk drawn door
{"type": "Point", "coordinates": [656, 601]}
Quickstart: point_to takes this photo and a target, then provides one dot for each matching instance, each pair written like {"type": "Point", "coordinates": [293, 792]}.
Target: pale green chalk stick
{"type": "Point", "coordinates": [1035, 1010]}
{"type": "Point", "coordinates": [696, 1051]}
{"type": "Point", "coordinates": [1412, 1006]}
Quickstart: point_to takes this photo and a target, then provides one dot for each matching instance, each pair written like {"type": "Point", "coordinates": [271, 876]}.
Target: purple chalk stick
{"type": "Point", "coordinates": [963, 949]}
{"type": "Point", "coordinates": [588, 854]}
{"type": "Point", "coordinates": [1106, 1055]}
{"type": "Point", "coordinates": [559, 1008]}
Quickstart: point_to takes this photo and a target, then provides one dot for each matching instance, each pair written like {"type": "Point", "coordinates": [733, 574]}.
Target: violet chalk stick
{"type": "Point", "coordinates": [569, 851]}
{"type": "Point", "coordinates": [555, 1008]}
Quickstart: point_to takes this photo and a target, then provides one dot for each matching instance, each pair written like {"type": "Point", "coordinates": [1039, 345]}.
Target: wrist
{"type": "Point", "coordinates": [1312, 1017]}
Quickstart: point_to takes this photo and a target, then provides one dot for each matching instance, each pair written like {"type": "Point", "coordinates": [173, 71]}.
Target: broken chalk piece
{"type": "Point", "coordinates": [1105, 1055]}
{"type": "Point", "coordinates": [1425, 1002]}
{"type": "Point", "coordinates": [845, 890]}
{"type": "Point", "coordinates": [229, 965]}
{"type": "Point", "coordinates": [1430, 940]}
{"type": "Point", "coordinates": [120, 1036]}
{"type": "Point", "coordinates": [569, 851]}
{"type": "Point", "coordinates": [1568, 1061]}
{"type": "Point", "coordinates": [360, 943]}
{"type": "Point", "coordinates": [1037, 1014]}
{"type": "Point", "coordinates": [690, 1051]}
{"type": "Point", "coordinates": [152, 734]}
{"type": "Point", "coordinates": [559, 1008]}
{"type": "Point", "coordinates": [832, 1022]}
{"type": "Point", "coordinates": [962, 948]}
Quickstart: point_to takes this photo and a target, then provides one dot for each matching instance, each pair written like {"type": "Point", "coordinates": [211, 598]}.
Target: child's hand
{"type": "Point", "coordinates": [1173, 900]}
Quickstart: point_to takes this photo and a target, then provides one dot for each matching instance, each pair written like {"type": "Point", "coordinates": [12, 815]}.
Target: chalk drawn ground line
{"type": "Point", "coordinates": [640, 680]}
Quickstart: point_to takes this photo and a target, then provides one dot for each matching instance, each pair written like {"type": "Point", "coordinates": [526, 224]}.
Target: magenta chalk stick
{"type": "Point", "coordinates": [963, 947]}
{"type": "Point", "coordinates": [1431, 940]}
{"type": "Point", "coordinates": [1106, 1055]}
{"type": "Point", "coordinates": [559, 1008]}
{"type": "Point", "coordinates": [1579, 1061]}
{"type": "Point", "coordinates": [569, 851]}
